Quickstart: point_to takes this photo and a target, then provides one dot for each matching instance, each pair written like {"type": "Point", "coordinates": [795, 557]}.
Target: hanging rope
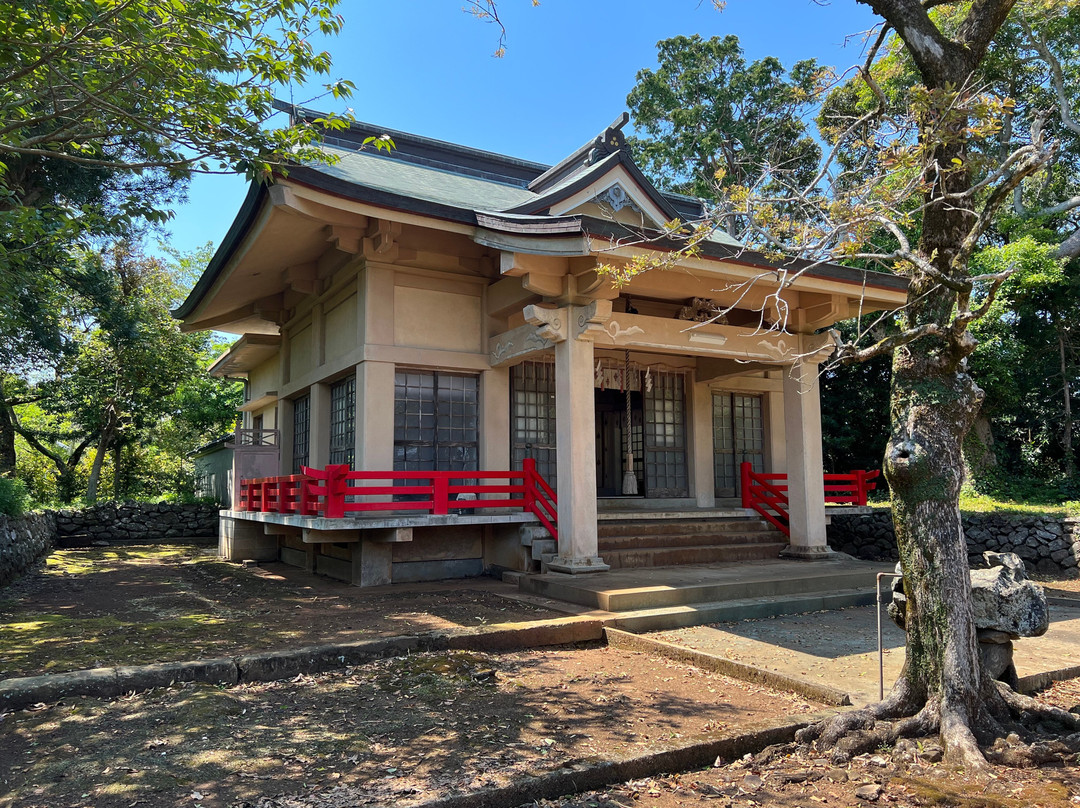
{"type": "Point", "coordinates": [629, 482]}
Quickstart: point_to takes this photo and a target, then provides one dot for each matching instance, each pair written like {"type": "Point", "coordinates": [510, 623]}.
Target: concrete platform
{"type": "Point", "coordinates": [672, 587]}
{"type": "Point", "coordinates": [839, 648]}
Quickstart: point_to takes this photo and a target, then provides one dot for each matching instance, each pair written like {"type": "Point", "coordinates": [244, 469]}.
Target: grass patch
{"type": "Point", "coordinates": [973, 502]}
{"type": "Point", "coordinates": [83, 562]}
{"type": "Point", "coordinates": [51, 643]}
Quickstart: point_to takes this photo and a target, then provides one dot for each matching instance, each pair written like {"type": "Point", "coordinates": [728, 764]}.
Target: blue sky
{"type": "Point", "coordinates": [425, 66]}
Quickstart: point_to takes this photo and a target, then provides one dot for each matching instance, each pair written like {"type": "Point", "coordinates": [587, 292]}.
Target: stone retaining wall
{"type": "Point", "coordinates": [1047, 544]}
{"type": "Point", "coordinates": [23, 541]}
{"type": "Point", "coordinates": [136, 521]}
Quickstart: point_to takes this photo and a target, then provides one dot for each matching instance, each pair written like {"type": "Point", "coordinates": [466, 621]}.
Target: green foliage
{"type": "Point", "coordinates": [107, 107]}
{"type": "Point", "coordinates": [1025, 357]}
{"type": "Point", "coordinates": [125, 404]}
{"type": "Point", "coordinates": [13, 497]}
{"type": "Point", "coordinates": [855, 411]}
{"type": "Point", "coordinates": [707, 117]}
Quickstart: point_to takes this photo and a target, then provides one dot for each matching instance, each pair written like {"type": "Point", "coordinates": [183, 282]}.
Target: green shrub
{"type": "Point", "coordinates": [13, 497]}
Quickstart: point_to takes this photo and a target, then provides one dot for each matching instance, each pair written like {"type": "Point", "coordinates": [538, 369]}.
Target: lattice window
{"type": "Point", "coordinates": [435, 421]}
{"type": "Point", "coordinates": [665, 436]}
{"type": "Point", "coordinates": [738, 437]}
{"type": "Point", "coordinates": [343, 421]}
{"type": "Point", "coordinates": [532, 417]}
{"type": "Point", "coordinates": [301, 437]}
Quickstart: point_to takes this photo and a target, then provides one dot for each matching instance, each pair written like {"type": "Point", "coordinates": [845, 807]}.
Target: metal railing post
{"type": "Point", "coordinates": [880, 644]}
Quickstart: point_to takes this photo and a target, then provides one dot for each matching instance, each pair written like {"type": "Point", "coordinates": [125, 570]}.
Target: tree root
{"type": "Point", "coordinates": [1011, 728]}
{"type": "Point", "coordinates": [1028, 709]}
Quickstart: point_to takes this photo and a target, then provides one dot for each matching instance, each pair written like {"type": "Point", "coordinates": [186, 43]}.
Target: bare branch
{"type": "Point", "coordinates": [848, 354]}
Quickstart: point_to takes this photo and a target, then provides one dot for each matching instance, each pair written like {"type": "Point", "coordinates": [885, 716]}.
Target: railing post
{"type": "Point", "coordinates": [304, 503]}
{"type": "Point", "coordinates": [440, 485]}
{"type": "Point", "coordinates": [860, 486]}
{"type": "Point", "coordinates": [746, 470]}
{"type": "Point", "coordinates": [335, 490]}
{"type": "Point", "coordinates": [264, 490]}
{"type": "Point", "coordinates": [528, 469]}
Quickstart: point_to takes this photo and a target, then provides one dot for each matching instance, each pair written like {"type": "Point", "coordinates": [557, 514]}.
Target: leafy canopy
{"type": "Point", "coordinates": [707, 117]}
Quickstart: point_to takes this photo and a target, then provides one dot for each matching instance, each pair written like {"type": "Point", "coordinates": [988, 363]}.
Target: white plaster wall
{"type": "Point", "coordinates": [341, 328]}
{"type": "Point", "coordinates": [427, 318]}
{"type": "Point", "coordinates": [301, 352]}
{"type": "Point", "coordinates": [264, 378]}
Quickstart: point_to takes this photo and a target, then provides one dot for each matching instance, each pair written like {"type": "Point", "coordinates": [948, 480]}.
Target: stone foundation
{"type": "Point", "coordinates": [1047, 544]}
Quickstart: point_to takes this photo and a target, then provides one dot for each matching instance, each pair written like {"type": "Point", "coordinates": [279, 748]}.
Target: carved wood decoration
{"type": "Point", "coordinates": [702, 310]}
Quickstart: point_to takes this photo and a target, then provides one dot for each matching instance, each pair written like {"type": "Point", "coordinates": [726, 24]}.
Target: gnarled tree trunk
{"type": "Point", "coordinates": [943, 687]}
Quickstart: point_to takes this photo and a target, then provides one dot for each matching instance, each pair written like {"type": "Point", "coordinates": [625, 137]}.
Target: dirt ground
{"type": "Point", "coordinates": [392, 732]}
{"type": "Point", "coordinates": [96, 607]}
{"type": "Point", "coordinates": [404, 730]}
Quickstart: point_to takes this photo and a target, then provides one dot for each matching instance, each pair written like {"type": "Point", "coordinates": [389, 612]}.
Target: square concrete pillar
{"type": "Point", "coordinates": [319, 426]}
{"type": "Point", "coordinates": [375, 416]}
{"type": "Point", "coordinates": [372, 563]}
{"type": "Point", "coordinates": [239, 539]}
{"type": "Point", "coordinates": [805, 469]}
{"type": "Point", "coordinates": [286, 412]}
{"type": "Point", "coordinates": [575, 417]}
{"type": "Point", "coordinates": [775, 437]}
{"type": "Point", "coordinates": [495, 419]}
{"type": "Point", "coordinates": [702, 481]}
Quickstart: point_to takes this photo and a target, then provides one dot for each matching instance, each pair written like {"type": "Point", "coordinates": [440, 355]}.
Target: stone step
{"type": "Point", "coordinates": [614, 594]}
{"type": "Point", "coordinates": [543, 547]}
{"type": "Point", "coordinates": [701, 554]}
{"type": "Point", "coordinates": [681, 526]}
{"type": "Point", "coordinates": [531, 533]}
{"type": "Point", "coordinates": [633, 542]}
{"type": "Point", "coordinates": [671, 617]}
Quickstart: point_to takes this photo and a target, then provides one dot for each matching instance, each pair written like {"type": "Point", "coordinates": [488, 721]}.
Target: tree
{"type": "Point", "coordinates": [1027, 364]}
{"type": "Point", "coordinates": [706, 117]}
{"type": "Point", "coordinates": [107, 106]}
{"type": "Point", "coordinates": [927, 153]}
{"type": "Point", "coordinates": [132, 379]}
{"type": "Point", "coordinates": [934, 400]}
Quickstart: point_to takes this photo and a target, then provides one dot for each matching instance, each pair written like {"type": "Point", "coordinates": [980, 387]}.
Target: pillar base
{"type": "Point", "coordinates": [577, 566]}
{"type": "Point", "coordinates": [802, 553]}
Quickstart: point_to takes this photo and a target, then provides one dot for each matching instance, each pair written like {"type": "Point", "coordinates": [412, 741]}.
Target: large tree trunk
{"type": "Point", "coordinates": [1066, 394]}
{"type": "Point", "coordinates": [7, 436]}
{"type": "Point", "coordinates": [933, 406]}
{"type": "Point", "coordinates": [933, 403]}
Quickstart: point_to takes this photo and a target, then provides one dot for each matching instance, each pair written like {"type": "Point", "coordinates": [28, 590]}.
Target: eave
{"type": "Point", "coordinates": [247, 353]}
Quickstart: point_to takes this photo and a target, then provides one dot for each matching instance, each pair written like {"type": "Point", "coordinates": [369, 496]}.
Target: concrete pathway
{"type": "Point", "coordinates": [839, 648]}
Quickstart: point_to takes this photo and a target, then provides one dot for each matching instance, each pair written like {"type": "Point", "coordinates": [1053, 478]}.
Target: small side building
{"type": "Point", "coordinates": [214, 471]}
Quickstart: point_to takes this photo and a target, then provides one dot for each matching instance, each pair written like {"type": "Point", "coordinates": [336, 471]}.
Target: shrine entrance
{"type": "Point", "coordinates": [611, 457]}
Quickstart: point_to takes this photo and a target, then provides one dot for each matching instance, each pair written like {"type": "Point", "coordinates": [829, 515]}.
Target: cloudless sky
{"type": "Point", "coordinates": [426, 67]}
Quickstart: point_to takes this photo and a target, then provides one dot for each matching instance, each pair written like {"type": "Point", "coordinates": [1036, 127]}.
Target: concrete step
{"type": "Point", "coordinates": [702, 554]}
{"type": "Point", "coordinates": [680, 526]}
{"type": "Point", "coordinates": [633, 542]}
{"type": "Point", "coordinates": [618, 504]}
{"type": "Point", "coordinates": [531, 533]}
{"type": "Point", "coordinates": [699, 614]}
{"type": "Point", "coordinates": [615, 594]}
{"type": "Point", "coordinates": [543, 547]}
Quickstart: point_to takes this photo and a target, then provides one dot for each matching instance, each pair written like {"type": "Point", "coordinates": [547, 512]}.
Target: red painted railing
{"type": "Point", "coordinates": [767, 493]}
{"type": "Point", "coordinates": [337, 491]}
